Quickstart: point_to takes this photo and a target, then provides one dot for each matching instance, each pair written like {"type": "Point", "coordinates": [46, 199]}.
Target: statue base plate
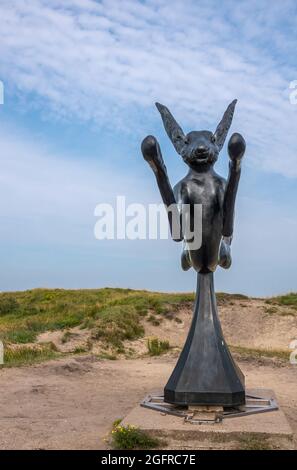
{"type": "Point", "coordinates": [235, 431]}
{"type": "Point", "coordinates": [254, 403]}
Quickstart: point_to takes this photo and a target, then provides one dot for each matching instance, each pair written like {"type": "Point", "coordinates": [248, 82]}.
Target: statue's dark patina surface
{"type": "Point", "coordinates": [205, 373]}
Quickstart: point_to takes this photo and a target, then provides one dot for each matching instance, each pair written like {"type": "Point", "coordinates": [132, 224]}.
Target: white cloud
{"type": "Point", "coordinates": [107, 60]}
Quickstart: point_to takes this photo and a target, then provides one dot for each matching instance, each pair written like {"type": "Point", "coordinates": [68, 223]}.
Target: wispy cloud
{"type": "Point", "coordinates": [106, 63]}
{"type": "Point", "coordinates": [108, 60]}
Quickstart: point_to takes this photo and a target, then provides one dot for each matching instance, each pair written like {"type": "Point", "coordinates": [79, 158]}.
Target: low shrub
{"type": "Point", "coordinates": [156, 347]}
{"type": "Point", "coordinates": [131, 438]}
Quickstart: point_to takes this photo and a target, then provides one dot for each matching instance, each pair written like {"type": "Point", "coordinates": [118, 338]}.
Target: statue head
{"type": "Point", "coordinates": [197, 148]}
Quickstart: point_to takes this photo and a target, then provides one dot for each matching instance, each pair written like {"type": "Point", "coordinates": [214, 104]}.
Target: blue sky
{"type": "Point", "coordinates": [81, 78]}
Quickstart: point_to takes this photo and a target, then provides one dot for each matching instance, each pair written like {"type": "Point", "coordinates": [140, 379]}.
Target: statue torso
{"type": "Point", "coordinates": [207, 189]}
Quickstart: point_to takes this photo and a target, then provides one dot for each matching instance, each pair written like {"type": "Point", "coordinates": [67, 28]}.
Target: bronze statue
{"type": "Point", "coordinates": [206, 373]}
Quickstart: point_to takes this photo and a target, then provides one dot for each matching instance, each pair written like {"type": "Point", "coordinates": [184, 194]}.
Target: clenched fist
{"type": "Point", "coordinates": [152, 154]}
{"type": "Point", "coordinates": [236, 147]}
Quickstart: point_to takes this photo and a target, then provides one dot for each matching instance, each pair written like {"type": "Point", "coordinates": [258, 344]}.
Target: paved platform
{"type": "Point", "coordinates": [270, 428]}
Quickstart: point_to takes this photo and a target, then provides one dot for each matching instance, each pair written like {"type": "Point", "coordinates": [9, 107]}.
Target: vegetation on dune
{"type": "Point", "coordinates": [26, 355]}
{"type": "Point", "coordinates": [271, 310]}
{"type": "Point", "coordinates": [67, 336]}
{"type": "Point", "coordinates": [254, 442]}
{"type": "Point", "coordinates": [20, 336]}
{"type": "Point", "coordinates": [254, 353]}
{"type": "Point", "coordinates": [154, 320]}
{"type": "Point", "coordinates": [114, 312]}
{"type": "Point", "coordinates": [282, 312]}
{"type": "Point", "coordinates": [223, 297]}
{"type": "Point", "coordinates": [111, 315]}
{"type": "Point", "coordinates": [288, 300]}
{"type": "Point", "coordinates": [156, 347]}
{"type": "Point", "coordinates": [118, 323]}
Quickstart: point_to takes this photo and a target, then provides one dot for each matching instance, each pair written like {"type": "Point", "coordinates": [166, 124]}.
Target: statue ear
{"type": "Point", "coordinates": [224, 126]}
{"type": "Point", "coordinates": [174, 131]}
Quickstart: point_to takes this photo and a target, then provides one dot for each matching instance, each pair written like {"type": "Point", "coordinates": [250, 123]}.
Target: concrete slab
{"type": "Point", "coordinates": [270, 428]}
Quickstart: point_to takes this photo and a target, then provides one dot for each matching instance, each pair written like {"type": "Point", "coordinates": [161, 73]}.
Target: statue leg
{"type": "Point", "coordinates": [225, 259]}
{"type": "Point", "coordinates": [186, 262]}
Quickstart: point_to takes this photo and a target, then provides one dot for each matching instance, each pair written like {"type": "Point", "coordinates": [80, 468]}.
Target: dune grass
{"type": "Point", "coordinates": [254, 443]}
{"type": "Point", "coordinates": [118, 323]}
{"type": "Point", "coordinates": [27, 355]}
{"type": "Point", "coordinates": [223, 297]}
{"type": "Point", "coordinates": [40, 310]}
{"type": "Point", "coordinates": [25, 314]}
{"type": "Point", "coordinates": [156, 347]}
{"type": "Point", "coordinates": [254, 353]}
{"type": "Point", "coordinates": [287, 300]}
{"type": "Point", "coordinates": [112, 315]}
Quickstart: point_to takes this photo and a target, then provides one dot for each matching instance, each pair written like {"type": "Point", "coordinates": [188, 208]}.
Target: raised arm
{"type": "Point", "coordinates": [236, 149]}
{"type": "Point", "coordinates": [152, 154]}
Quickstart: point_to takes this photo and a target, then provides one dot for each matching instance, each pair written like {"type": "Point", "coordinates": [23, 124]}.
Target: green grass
{"type": "Point", "coordinates": [177, 320]}
{"type": "Point", "coordinates": [154, 320]}
{"type": "Point", "coordinates": [113, 315]}
{"type": "Point", "coordinates": [108, 356]}
{"type": "Point", "coordinates": [254, 443]}
{"type": "Point", "coordinates": [223, 297]}
{"type": "Point", "coordinates": [67, 336]}
{"type": "Point", "coordinates": [288, 300]}
{"type": "Point", "coordinates": [25, 355]}
{"type": "Point", "coordinates": [24, 315]}
{"type": "Point", "coordinates": [20, 336]}
{"type": "Point", "coordinates": [39, 310]}
{"type": "Point", "coordinates": [131, 438]}
{"type": "Point", "coordinates": [80, 350]}
{"type": "Point", "coordinates": [272, 310]}
{"type": "Point", "coordinates": [116, 324]}
{"type": "Point", "coordinates": [253, 353]}
{"type": "Point", "coordinates": [156, 347]}
{"type": "Point", "coordinates": [8, 304]}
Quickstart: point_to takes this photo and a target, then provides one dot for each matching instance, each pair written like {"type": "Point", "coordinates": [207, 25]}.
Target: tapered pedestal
{"type": "Point", "coordinates": [205, 373]}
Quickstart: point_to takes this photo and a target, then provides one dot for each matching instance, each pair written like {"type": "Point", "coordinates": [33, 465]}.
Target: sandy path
{"type": "Point", "coordinates": [71, 403]}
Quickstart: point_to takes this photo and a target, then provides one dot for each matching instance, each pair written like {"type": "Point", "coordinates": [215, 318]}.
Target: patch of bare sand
{"type": "Point", "coordinates": [71, 403]}
{"type": "Point", "coordinates": [66, 340]}
{"type": "Point", "coordinates": [250, 325]}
